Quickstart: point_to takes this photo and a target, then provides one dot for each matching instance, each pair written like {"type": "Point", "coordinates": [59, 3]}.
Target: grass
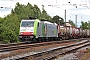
{"type": "Point", "coordinates": [89, 50]}
{"type": "Point", "coordinates": [4, 42]}
{"type": "Point", "coordinates": [1, 42]}
{"type": "Point", "coordinates": [77, 40]}
{"type": "Point", "coordinates": [86, 55]}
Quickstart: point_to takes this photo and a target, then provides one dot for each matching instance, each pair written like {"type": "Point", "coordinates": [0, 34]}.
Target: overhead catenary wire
{"type": "Point", "coordinates": [47, 1]}
{"type": "Point", "coordinates": [85, 4]}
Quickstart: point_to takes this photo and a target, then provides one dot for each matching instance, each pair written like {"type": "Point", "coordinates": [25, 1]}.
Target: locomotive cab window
{"type": "Point", "coordinates": [27, 24]}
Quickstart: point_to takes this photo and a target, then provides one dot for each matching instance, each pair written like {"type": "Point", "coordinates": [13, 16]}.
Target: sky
{"type": "Point", "coordinates": [54, 7]}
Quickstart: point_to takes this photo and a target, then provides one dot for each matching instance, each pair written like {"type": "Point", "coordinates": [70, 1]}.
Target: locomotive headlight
{"type": "Point", "coordinates": [31, 33]}
{"type": "Point", "coordinates": [21, 33]}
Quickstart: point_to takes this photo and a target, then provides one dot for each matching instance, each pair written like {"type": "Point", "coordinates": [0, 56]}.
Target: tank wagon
{"type": "Point", "coordinates": [35, 29]}
{"type": "Point", "coordinates": [69, 32]}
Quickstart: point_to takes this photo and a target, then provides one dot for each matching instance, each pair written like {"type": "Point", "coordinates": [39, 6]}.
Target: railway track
{"type": "Point", "coordinates": [52, 53]}
{"type": "Point", "coordinates": [45, 53]}
{"type": "Point", "coordinates": [16, 46]}
{"type": "Point", "coordinates": [23, 45]}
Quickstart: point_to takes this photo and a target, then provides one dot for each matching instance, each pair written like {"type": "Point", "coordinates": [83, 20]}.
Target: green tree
{"type": "Point", "coordinates": [23, 11]}
{"type": "Point", "coordinates": [89, 25]}
{"type": "Point", "coordinates": [71, 22]}
{"type": "Point", "coordinates": [37, 11]}
{"type": "Point", "coordinates": [58, 20]}
{"type": "Point", "coordinates": [1, 23]}
{"type": "Point", "coordinates": [10, 28]}
{"type": "Point", "coordinates": [84, 25]}
{"type": "Point", "coordinates": [44, 14]}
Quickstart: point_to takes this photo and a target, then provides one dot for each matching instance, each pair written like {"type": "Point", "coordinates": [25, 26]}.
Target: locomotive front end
{"type": "Point", "coordinates": [26, 30]}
